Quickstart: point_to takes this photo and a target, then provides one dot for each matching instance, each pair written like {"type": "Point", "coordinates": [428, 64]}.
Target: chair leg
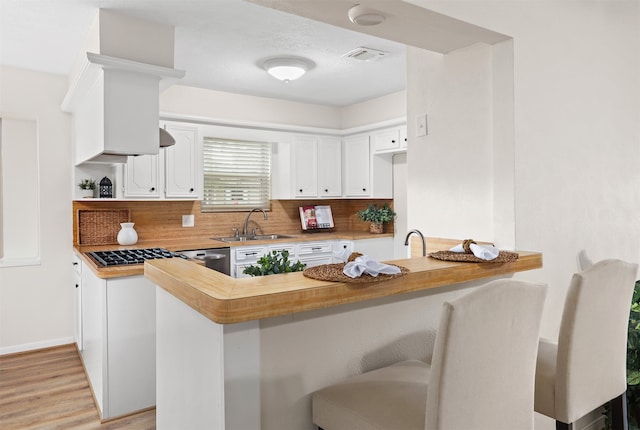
{"type": "Point", "coordinates": [619, 412]}
{"type": "Point", "coordinates": [563, 426]}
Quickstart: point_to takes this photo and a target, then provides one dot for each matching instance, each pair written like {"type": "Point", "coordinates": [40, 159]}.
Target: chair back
{"type": "Point", "coordinates": [592, 344]}
{"type": "Point", "coordinates": [484, 359]}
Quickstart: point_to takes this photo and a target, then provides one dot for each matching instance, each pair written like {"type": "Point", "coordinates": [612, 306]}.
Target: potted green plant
{"type": "Point", "coordinates": [272, 264]}
{"type": "Point", "coordinates": [87, 186]}
{"type": "Point", "coordinates": [377, 216]}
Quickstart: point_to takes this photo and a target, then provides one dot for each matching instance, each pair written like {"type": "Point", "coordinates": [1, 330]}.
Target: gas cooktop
{"type": "Point", "coordinates": [123, 257]}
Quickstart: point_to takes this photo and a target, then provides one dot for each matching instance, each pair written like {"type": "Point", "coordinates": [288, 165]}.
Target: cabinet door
{"type": "Point", "coordinates": [329, 167]}
{"type": "Point", "coordinates": [94, 297]}
{"type": "Point", "coordinates": [181, 165]}
{"type": "Point", "coordinates": [357, 166]}
{"type": "Point", "coordinates": [142, 176]}
{"type": "Point", "coordinates": [386, 140]}
{"type": "Point", "coordinates": [305, 166]}
{"type": "Point", "coordinates": [77, 301]}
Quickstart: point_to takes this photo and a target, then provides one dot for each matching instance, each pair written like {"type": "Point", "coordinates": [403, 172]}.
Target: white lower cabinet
{"type": "Point", "coordinates": [309, 253]}
{"type": "Point", "coordinates": [244, 256]}
{"type": "Point", "coordinates": [118, 337]}
{"type": "Point", "coordinates": [315, 253]}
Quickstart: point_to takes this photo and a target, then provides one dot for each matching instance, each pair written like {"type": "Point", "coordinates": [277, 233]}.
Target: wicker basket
{"type": "Point", "coordinates": [100, 227]}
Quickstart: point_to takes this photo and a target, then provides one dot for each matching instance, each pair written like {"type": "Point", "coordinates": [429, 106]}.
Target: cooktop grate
{"type": "Point", "coordinates": [123, 257]}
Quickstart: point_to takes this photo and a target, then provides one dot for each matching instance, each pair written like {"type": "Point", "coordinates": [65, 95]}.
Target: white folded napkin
{"type": "Point", "coordinates": [366, 264]}
{"type": "Point", "coordinates": [484, 252]}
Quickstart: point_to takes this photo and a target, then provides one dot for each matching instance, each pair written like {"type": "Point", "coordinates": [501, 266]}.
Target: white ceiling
{"type": "Point", "coordinates": [219, 43]}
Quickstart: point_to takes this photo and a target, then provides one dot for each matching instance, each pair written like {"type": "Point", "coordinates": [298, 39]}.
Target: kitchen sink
{"type": "Point", "coordinates": [251, 238]}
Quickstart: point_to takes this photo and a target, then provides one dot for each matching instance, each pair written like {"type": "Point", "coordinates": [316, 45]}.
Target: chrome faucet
{"type": "Point", "coordinates": [424, 245]}
{"type": "Point", "coordinates": [246, 220]}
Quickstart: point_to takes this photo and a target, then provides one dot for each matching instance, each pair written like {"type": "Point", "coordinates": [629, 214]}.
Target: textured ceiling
{"type": "Point", "coordinates": [219, 43]}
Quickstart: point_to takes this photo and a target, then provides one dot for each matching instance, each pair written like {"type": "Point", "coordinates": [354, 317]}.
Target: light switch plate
{"type": "Point", "coordinates": [188, 220]}
{"type": "Point", "coordinates": [421, 125]}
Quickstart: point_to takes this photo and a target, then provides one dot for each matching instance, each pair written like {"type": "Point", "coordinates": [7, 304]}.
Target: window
{"type": "Point", "coordinates": [237, 175]}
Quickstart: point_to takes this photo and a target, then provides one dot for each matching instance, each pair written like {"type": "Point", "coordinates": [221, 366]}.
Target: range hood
{"type": "Point", "coordinates": [115, 85]}
{"type": "Point", "coordinates": [115, 103]}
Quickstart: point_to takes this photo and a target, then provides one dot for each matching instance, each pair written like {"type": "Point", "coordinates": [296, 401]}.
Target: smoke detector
{"type": "Point", "coordinates": [363, 53]}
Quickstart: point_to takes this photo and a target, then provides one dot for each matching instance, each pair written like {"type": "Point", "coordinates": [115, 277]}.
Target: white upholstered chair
{"type": "Point", "coordinates": [481, 377]}
{"type": "Point", "coordinates": [586, 368]}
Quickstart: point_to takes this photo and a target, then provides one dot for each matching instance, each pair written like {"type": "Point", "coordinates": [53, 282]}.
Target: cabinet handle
{"type": "Point", "coordinates": [300, 190]}
{"type": "Point", "coordinates": [152, 189]}
{"type": "Point", "coordinates": [75, 263]}
{"type": "Point", "coordinates": [364, 189]}
{"type": "Point", "coordinates": [393, 141]}
{"type": "Point", "coordinates": [190, 190]}
{"type": "Point", "coordinates": [77, 285]}
{"type": "Point", "coordinates": [326, 190]}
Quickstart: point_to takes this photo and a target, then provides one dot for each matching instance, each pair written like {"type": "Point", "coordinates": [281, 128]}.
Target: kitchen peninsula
{"type": "Point", "coordinates": [247, 353]}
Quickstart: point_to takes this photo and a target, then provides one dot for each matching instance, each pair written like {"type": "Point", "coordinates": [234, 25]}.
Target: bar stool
{"type": "Point", "coordinates": [481, 377]}
{"type": "Point", "coordinates": [586, 368]}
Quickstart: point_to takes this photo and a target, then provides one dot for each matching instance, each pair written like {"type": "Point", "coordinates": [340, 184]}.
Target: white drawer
{"type": "Point", "coordinates": [250, 253]}
{"type": "Point", "coordinates": [284, 247]}
{"type": "Point", "coordinates": [315, 248]}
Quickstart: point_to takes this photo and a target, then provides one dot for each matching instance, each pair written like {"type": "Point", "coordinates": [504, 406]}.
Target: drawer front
{"type": "Point", "coordinates": [250, 253]}
{"type": "Point", "coordinates": [284, 247]}
{"type": "Point", "coordinates": [315, 248]}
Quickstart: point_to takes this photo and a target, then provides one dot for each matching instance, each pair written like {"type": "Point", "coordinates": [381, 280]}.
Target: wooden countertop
{"type": "Point", "coordinates": [226, 300]}
{"type": "Point", "coordinates": [190, 243]}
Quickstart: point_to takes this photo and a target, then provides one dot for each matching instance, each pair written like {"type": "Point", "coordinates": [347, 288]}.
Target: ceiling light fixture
{"type": "Point", "coordinates": [363, 15]}
{"type": "Point", "coordinates": [287, 69]}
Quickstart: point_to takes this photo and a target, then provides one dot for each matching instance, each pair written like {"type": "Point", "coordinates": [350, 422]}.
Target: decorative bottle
{"type": "Point", "coordinates": [127, 235]}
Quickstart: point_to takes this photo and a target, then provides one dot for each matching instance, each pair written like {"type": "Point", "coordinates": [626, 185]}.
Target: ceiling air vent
{"type": "Point", "coordinates": [366, 54]}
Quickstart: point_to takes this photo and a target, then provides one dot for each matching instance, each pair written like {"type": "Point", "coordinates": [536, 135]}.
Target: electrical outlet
{"type": "Point", "coordinates": [188, 220]}
{"type": "Point", "coordinates": [421, 125]}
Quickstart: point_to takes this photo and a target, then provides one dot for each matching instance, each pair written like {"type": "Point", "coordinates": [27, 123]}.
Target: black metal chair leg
{"type": "Point", "coordinates": [619, 412]}
{"type": "Point", "coordinates": [563, 426]}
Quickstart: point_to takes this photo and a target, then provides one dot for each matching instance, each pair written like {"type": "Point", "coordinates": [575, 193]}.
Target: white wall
{"type": "Point", "coordinates": [577, 131]}
{"type": "Point", "coordinates": [389, 107]}
{"type": "Point", "coordinates": [197, 102]}
{"type": "Point", "coordinates": [36, 301]}
{"type": "Point", "coordinates": [450, 169]}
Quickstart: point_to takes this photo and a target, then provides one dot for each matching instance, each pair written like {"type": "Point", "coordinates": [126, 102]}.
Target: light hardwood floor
{"type": "Point", "coordinates": [48, 389]}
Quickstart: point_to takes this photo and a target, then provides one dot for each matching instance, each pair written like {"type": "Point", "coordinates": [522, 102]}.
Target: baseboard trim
{"type": "Point", "coordinates": [36, 345]}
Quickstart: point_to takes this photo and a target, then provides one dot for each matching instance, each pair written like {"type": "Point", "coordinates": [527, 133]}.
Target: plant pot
{"type": "Point", "coordinates": [87, 194]}
{"type": "Point", "coordinates": [376, 228]}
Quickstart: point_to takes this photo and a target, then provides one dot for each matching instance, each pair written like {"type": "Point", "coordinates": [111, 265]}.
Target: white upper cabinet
{"type": "Point", "coordinates": [366, 174]}
{"type": "Point", "coordinates": [305, 166]}
{"type": "Point", "coordinates": [181, 163]}
{"type": "Point", "coordinates": [316, 167]}
{"type": "Point", "coordinates": [389, 141]}
{"type": "Point", "coordinates": [142, 177]}
{"type": "Point", "coordinates": [173, 174]}
{"type": "Point", "coordinates": [356, 166]}
{"type": "Point", "coordinates": [330, 167]}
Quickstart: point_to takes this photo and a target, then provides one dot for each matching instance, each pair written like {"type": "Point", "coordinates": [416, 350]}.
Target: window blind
{"type": "Point", "coordinates": [237, 175]}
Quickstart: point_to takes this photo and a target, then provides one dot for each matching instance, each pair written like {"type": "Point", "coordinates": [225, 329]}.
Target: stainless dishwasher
{"type": "Point", "coordinates": [218, 259]}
